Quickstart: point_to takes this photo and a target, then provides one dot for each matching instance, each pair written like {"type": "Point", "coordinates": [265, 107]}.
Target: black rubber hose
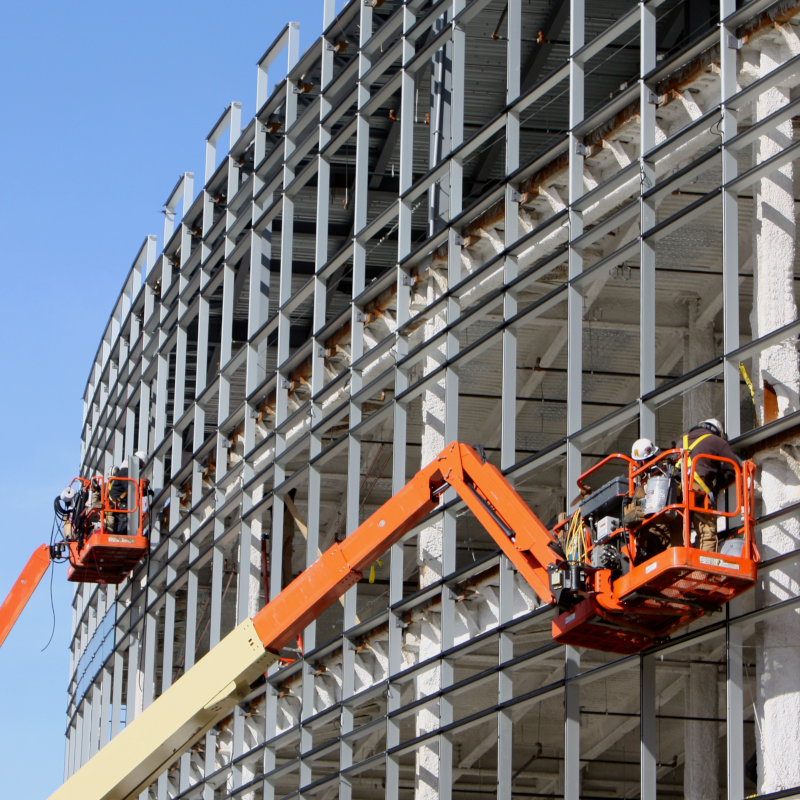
{"type": "Point", "coordinates": [61, 512]}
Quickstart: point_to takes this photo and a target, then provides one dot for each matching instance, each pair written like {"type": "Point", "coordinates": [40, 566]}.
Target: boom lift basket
{"type": "Point", "coordinates": [664, 593]}
{"type": "Point", "coordinates": [100, 555]}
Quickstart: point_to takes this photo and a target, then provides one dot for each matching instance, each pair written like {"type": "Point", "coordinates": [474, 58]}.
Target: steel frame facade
{"type": "Point", "coordinates": [225, 445]}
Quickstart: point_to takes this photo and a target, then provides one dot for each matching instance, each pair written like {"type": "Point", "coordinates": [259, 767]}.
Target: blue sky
{"type": "Point", "coordinates": [104, 106]}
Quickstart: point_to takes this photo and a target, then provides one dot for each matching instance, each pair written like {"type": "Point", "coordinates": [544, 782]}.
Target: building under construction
{"type": "Point", "coordinates": [548, 227]}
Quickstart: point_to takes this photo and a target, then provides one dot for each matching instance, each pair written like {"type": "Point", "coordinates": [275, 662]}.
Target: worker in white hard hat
{"type": "Point", "coordinates": [665, 530]}
{"type": "Point", "coordinates": [644, 450]}
{"type": "Point", "coordinates": [708, 438]}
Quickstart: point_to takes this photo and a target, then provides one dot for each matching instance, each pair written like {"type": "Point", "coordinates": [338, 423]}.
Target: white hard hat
{"type": "Point", "coordinates": [713, 425]}
{"type": "Point", "coordinates": [141, 456]}
{"type": "Point", "coordinates": [643, 449]}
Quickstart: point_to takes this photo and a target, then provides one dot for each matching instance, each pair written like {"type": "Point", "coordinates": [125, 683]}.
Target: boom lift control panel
{"type": "Point", "coordinates": [614, 591]}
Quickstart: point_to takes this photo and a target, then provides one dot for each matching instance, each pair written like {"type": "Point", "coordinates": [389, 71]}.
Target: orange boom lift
{"type": "Point", "coordinates": [610, 596]}
{"type": "Point", "coordinates": [626, 615]}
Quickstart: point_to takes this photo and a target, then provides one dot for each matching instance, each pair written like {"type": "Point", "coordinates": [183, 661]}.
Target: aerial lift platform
{"type": "Point", "coordinates": [610, 596]}
{"type": "Point", "coordinates": [94, 551]}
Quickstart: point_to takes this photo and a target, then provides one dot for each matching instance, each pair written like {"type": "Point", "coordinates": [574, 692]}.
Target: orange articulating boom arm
{"type": "Point", "coordinates": [488, 494]}
{"type": "Point", "coordinates": [23, 588]}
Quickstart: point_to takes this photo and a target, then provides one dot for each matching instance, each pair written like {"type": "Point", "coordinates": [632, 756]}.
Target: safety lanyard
{"type": "Point", "coordinates": [700, 482]}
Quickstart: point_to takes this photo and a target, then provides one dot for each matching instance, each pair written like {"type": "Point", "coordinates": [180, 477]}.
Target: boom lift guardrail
{"type": "Point", "coordinates": [623, 615]}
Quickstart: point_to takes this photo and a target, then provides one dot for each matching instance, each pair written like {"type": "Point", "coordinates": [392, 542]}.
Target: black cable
{"type": "Point", "coordinates": [62, 515]}
{"type": "Point", "coordinates": [52, 607]}
{"type": "Point", "coordinates": [52, 602]}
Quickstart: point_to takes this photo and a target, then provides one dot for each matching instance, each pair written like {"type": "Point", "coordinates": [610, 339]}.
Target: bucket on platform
{"type": "Point", "coordinates": [656, 494]}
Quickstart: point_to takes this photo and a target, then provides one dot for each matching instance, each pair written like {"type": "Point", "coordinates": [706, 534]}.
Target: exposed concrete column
{"type": "Point", "coordinates": [698, 348]}
{"type": "Point", "coordinates": [429, 555]}
{"type": "Point", "coordinates": [429, 548]}
{"type": "Point", "coordinates": [774, 229]}
{"type": "Point", "coordinates": [701, 738]}
{"type": "Point", "coordinates": [776, 379]}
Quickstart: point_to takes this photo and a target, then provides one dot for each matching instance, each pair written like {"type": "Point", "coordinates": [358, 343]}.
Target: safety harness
{"type": "Point", "coordinates": [698, 480]}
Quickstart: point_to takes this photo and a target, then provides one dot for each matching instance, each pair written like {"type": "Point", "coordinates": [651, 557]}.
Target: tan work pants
{"type": "Point", "coordinates": [706, 527]}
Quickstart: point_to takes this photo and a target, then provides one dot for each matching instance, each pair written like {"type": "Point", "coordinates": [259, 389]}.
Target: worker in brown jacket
{"type": "Point", "coordinates": [710, 477]}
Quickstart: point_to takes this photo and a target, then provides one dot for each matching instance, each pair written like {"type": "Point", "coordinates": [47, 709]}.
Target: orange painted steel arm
{"type": "Point", "coordinates": [22, 590]}
{"type": "Point", "coordinates": [488, 494]}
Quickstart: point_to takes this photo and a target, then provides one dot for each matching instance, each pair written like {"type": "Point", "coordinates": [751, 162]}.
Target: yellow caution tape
{"type": "Point", "coordinates": [372, 570]}
{"type": "Point", "coordinates": [748, 382]}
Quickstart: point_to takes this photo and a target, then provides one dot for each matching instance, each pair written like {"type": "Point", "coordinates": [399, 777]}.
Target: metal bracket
{"type": "Point", "coordinates": [733, 43]}
{"type": "Point", "coordinates": [322, 352]}
{"type": "Point", "coordinates": [581, 149]}
{"type": "Point", "coordinates": [285, 383]}
{"type": "Point", "coordinates": [398, 623]}
{"type": "Point", "coordinates": [225, 442]}
{"type": "Point", "coordinates": [406, 280]}
{"type": "Point", "coordinates": [360, 316]}
{"type": "Point", "coordinates": [458, 239]}
{"type": "Point", "coordinates": [514, 195]}
{"type": "Point", "coordinates": [253, 413]}
{"type": "Point", "coordinates": [653, 98]}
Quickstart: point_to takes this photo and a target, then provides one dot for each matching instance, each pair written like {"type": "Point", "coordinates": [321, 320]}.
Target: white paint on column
{"type": "Point", "coordinates": [774, 230]}
{"type": "Point", "coordinates": [429, 557]}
